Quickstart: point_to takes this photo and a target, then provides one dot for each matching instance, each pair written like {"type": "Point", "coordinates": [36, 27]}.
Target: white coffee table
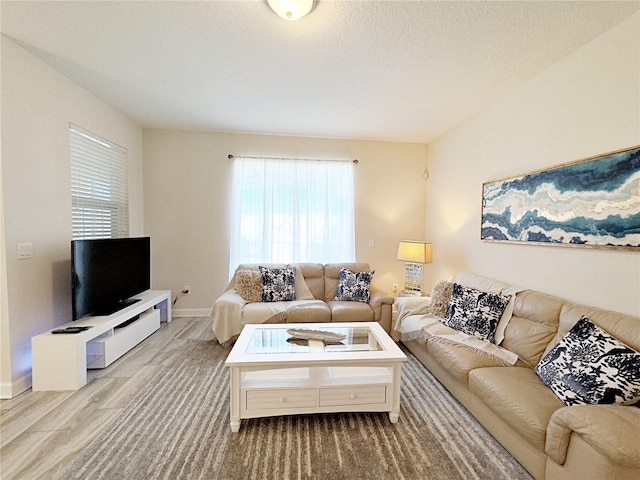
{"type": "Point", "coordinates": [271, 375]}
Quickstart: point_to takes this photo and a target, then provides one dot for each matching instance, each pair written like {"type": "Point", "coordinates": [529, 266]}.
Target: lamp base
{"type": "Point", "coordinates": [413, 277]}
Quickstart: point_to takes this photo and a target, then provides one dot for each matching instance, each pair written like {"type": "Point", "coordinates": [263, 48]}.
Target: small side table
{"type": "Point", "coordinates": [412, 293]}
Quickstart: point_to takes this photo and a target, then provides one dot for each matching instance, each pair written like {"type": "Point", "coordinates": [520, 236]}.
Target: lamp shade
{"type": "Point", "coordinates": [414, 251]}
{"type": "Point", "coordinates": [291, 9]}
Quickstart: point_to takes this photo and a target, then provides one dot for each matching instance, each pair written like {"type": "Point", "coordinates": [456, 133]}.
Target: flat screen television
{"type": "Point", "coordinates": [106, 273]}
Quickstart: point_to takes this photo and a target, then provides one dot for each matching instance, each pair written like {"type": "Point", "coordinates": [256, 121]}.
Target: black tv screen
{"type": "Point", "coordinates": [106, 273]}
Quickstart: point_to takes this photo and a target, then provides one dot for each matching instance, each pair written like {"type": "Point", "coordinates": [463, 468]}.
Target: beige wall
{"type": "Point", "coordinates": [587, 104]}
{"type": "Point", "coordinates": [187, 179]}
{"type": "Point", "coordinates": [37, 106]}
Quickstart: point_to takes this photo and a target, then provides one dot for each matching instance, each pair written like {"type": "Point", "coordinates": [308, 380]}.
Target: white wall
{"type": "Point", "coordinates": [187, 180]}
{"type": "Point", "coordinates": [587, 104]}
{"type": "Point", "coordinates": [37, 106]}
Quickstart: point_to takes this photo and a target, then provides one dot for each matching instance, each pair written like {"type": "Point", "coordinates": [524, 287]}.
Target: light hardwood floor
{"type": "Point", "coordinates": [41, 433]}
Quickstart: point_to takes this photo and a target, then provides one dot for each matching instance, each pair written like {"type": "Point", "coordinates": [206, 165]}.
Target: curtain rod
{"type": "Point", "coordinates": [232, 156]}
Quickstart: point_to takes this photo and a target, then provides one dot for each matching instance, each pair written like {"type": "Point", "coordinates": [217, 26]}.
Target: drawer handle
{"type": "Point", "coordinates": [353, 396]}
{"type": "Point", "coordinates": [282, 400]}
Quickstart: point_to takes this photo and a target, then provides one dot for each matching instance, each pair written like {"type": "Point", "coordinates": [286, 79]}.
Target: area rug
{"type": "Point", "coordinates": [178, 428]}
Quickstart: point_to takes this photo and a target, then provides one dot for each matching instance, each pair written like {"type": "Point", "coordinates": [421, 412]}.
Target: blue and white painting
{"type": "Point", "coordinates": [593, 203]}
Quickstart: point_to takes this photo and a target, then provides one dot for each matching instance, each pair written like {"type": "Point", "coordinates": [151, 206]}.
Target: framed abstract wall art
{"type": "Point", "coordinates": [594, 202]}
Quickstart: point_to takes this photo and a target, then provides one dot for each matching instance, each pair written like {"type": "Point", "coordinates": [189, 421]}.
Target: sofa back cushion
{"type": "Point", "coordinates": [533, 325]}
{"type": "Point", "coordinates": [623, 327]}
{"type": "Point", "coordinates": [480, 282]}
{"type": "Point", "coordinates": [332, 275]}
{"type": "Point", "coordinates": [314, 277]}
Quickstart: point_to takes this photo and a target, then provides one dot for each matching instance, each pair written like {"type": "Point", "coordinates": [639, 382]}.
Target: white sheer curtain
{"type": "Point", "coordinates": [290, 210]}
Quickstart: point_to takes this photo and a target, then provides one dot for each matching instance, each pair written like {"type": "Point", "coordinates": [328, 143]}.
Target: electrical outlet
{"type": "Point", "coordinates": [186, 289]}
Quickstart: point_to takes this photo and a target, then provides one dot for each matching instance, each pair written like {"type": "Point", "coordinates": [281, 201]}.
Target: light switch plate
{"type": "Point", "coordinates": [24, 251]}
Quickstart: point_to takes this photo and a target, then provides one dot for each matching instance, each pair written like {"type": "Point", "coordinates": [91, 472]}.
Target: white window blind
{"type": "Point", "coordinates": [99, 186]}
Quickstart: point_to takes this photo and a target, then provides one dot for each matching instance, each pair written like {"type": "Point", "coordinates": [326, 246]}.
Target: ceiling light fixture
{"type": "Point", "coordinates": [291, 9]}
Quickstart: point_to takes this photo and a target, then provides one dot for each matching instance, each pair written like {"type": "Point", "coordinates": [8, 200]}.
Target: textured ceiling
{"type": "Point", "coordinates": [384, 70]}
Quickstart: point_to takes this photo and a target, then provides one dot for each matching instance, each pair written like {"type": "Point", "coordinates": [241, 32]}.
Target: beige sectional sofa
{"type": "Point", "coordinates": [316, 286]}
{"type": "Point", "coordinates": [551, 440]}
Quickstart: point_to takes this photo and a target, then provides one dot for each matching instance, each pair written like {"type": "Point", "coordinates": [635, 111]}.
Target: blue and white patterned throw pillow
{"type": "Point", "coordinates": [589, 366]}
{"type": "Point", "coordinates": [278, 284]}
{"type": "Point", "coordinates": [354, 286]}
{"type": "Point", "coordinates": [474, 312]}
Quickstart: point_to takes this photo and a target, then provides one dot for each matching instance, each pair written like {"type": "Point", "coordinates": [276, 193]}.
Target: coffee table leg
{"type": "Point", "coordinates": [234, 392]}
{"type": "Point", "coordinates": [394, 414]}
{"type": "Point", "coordinates": [235, 426]}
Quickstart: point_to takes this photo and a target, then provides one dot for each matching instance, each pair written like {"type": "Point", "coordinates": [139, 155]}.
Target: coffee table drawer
{"type": "Point", "coordinates": [353, 395]}
{"type": "Point", "coordinates": [281, 398]}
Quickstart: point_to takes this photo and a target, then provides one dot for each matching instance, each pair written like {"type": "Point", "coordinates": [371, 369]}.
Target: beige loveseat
{"type": "Point", "coordinates": [316, 286]}
{"type": "Point", "coordinates": [549, 439]}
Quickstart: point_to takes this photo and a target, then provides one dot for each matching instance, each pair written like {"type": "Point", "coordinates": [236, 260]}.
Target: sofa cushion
{"type": "Point", "coordinates": [260, 312]}
{"type": "Point", "coordinates": [278, 284]}
{"type": "Point", "coordinates": [351, 311]}
{"type": "Point", "coordinates": [589, 366]}
{"type": "Point", "coordinates": [621, 326]}
{"type": "Point", "coordinates": [480, 282]}
{"type": "Point", "coordinates": [459, 359]}
{"type": "Point", "coordinates": [518, 397]}
{"type": "Point", "coordinates": [312, 311]}
{"type": "Point", "coordinates": [474, 312]}
{"type": "Point", "coordinates": [313, 274]}
{"type": "Point", "coordinates": [354, 286]}
{"type": "Point", "coordinates": [302, 289]}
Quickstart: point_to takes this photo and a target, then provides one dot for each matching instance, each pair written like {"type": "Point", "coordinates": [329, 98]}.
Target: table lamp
{"type": "Point", "coordinates": [414, 254]}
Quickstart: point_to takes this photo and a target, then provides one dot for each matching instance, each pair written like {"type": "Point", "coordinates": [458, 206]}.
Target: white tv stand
{"type": "Point", "coordinates": [60, 361]}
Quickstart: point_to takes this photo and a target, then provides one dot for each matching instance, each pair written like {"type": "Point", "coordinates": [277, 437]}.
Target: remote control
{"type": "Point", "coordinates": [70, 330]}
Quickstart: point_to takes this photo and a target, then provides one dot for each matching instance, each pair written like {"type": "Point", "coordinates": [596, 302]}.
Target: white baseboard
{"type": "Point", "coordinates": [5, 391]}
{"type": "Point", "coordinates": [190, 312]}
{"type": "Point", "coordinates": [10, 390]}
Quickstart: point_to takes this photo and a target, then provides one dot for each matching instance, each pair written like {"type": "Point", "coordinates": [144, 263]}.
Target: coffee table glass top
{"type": "Point", "coordinates": [278, 340]}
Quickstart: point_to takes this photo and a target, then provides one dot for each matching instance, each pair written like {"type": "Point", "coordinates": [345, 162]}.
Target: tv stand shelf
{"type": "Point", "coordinates": [60, 361]}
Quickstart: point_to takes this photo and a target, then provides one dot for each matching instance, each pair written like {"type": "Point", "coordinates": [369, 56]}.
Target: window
{"type": "Point", "coordinates": [99, 197]}
{"type": "Point", "coordinates": [289, 211]}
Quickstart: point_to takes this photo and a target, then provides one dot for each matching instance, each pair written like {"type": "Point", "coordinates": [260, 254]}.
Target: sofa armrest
{"type": "Point", "coordinates": [377, 299]}
{"type": "Point", "coordinates": [228, 306]}
{"type": "Point", "coordinates": [612, 430]}
{"type": "Point", "coordinates": [230, 297]}
{"type": "Point", "coordinates": [412, 306]}
{"type": "Point", "coordinates": [381, 303]}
